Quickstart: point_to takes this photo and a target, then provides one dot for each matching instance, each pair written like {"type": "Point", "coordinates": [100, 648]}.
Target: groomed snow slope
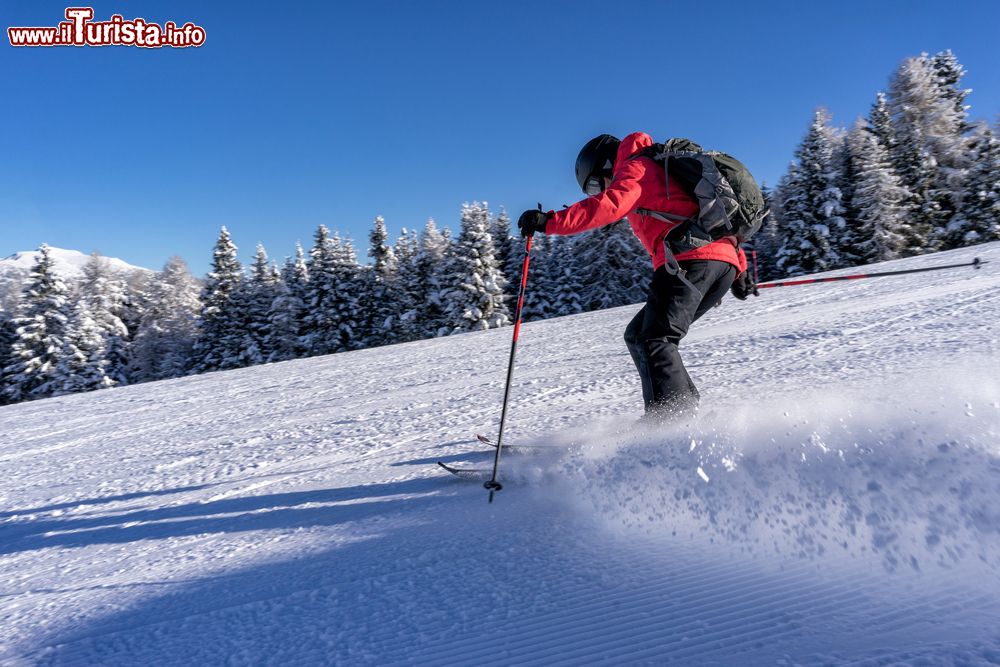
{"type": "Point", "coordinates": [294, 514]}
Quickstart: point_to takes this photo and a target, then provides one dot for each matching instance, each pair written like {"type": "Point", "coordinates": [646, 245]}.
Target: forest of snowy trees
{"type": "Point", "coordinates": [915, 176]}
{"type": "Point", "coordinates": [109, 329]}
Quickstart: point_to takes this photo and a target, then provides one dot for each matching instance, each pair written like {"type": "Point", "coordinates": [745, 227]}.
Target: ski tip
{"type": "Point", "coordinates": [466, 473]}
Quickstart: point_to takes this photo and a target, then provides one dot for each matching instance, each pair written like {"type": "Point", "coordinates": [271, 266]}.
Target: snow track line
{"type": "Point", "coordinates": [763, 631]}
{"type": "Point", "coordinates": [671, 640]}
{"type": "Point", "coordinates": [812, 351]}
{"type": "Point", "coordinates": [637, 604]}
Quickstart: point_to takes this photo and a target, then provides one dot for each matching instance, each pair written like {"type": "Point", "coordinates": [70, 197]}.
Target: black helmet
{"type": "Point", "coordinates": [595, 162]}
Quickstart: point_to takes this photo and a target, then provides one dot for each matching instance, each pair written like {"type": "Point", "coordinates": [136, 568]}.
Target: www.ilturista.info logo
{"type": "Point", "coordinates": [81, 30]}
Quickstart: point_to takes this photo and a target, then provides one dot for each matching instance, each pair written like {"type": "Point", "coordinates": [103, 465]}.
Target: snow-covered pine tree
{"type": "Point", "coordinates": [379, 310]}
{"type": "Point", "coordinates": [7, 336]}
{"type": "Point", "coordinates": [104, 295]}
{"type": "Point", "coordinates": [164, 342]}
{"type": "Point", "coordinates": [948, 74]}
{"type": "Point", "coordinates": [809, 203]}
{"type": "Point", "coordinates": [766, 242]}
{"type": "Point", "coordinates": [433, 271]}
{"type": "Point", "coordinates": [614, 267]}
{"type": "Point", "coordinates": [505, 243]}
{"type": "Point", "coordinates": [287, 312]}
{"type": "Point", "coordinates": [475, 298]}
{"type": "Point", "coordinates": [407, 283]}
{"type": "Point", "coordinates": [350, 279]}
{"type": "Point", "coordinates": [320, 295]}
{"type": "Point", "coordinates": [41, 336]}
{"type": "Point", "coordinates": [135, 303]}
{"type": "Point", "coordinates": [878, 198]}
{"type": "Point", "coordinates": [880, 124]}
{"type": "Point", "coordinates": [257, 295]}
{"type": "Point", "coordinates": [222, 324]}
{"type": "Point", "coordinates": [538, 299]}
{"type": "Point", "coordinates": [952, 148]}
{"type": "Point", "coordinates": [509, 255]}
{"type": "Point", "coordinates": [563, 277]}
{"type": "Point", "coordinates": [84, 363]}
{"type": "Point", "coordinates": [979, 219]}
{"type": "Point", "coordinates": [332, 307]}
{"type": "Point", "coordinates": [847, 234]}
{"type": "Point", "coordinates": [930, 149]}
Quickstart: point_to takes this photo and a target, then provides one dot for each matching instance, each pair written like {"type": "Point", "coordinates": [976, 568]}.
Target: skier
{"type": "Point", "coordinates": [683, 287]}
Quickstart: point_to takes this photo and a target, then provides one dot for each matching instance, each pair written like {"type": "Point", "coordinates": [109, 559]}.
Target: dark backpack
{"type": "Point", "coordinates": [729, 200]}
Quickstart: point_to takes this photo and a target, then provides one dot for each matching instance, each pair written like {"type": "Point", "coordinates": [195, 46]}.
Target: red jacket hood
{"type": "Point", "coordinates": [631, 145]}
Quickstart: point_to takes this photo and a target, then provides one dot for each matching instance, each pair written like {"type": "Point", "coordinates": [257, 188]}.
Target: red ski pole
{"type": "Point", "coordinates": [975, 263]}
{"type": "Point", "coordinates": [493, 485]}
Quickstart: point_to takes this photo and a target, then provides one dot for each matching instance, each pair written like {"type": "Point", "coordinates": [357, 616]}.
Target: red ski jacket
{"type": "Point", "coordinates": [640, 183]}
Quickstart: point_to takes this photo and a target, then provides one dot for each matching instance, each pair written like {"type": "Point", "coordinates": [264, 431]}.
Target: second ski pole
{"type": "Point", "coordinates": [975, 263]}
{"type": "Point", "coordinates": [493, 485]}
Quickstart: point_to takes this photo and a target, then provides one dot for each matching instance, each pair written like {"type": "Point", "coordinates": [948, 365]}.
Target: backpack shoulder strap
{"type": "Point", "coordinates": [653, 152]}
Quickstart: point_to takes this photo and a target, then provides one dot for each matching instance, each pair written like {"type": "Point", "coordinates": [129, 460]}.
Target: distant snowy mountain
{"type": "Point", "coordinates": [68, 263]}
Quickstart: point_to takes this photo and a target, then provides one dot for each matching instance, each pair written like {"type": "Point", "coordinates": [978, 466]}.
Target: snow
{"type": "Point", "coordinates": [68, 263]}
{"type": "Point", "coordinates": [837, 503]}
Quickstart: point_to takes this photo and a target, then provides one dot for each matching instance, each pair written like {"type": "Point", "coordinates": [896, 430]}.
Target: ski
{"type": "Point", "coordinates": [477, 474]}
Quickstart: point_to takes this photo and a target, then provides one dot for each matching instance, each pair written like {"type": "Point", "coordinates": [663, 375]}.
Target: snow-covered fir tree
{"type": "Point", "coordinates": [929, 119]}
{"type": "Point", "coordinates": [878, 198]}
{"type": "Point", "coordinates": [613, 265]}
{"type": "Point", "coordinates": [407, 284]}
{"type": "Point", "coordinates": [847, 235]}
{"type": "Point", "coordinates": [512, 269]}
{"type": "Point", "coordinates": [84, 363]}
{"type": "Point", "coordinates": [379, 306]}
{"type": "Point", "coordinates": [7, 336]}
{"type": "Point", "coordinates": [763, 247]}
{"type": "Point", "coordinates": [948, 74]}
{"type": "Point", "coordinates": [563, 277]}
{"type": "Point", "coordinates": [135, 303]}
{"type": "Point", "coordinates": [506, 245]}
{"type": "Point", "coordinates": [258, 294]}
{"type": "Point", "coordinates": [509, 255]}
{"type": "Point", "coordinates": [333, 310]}
{"type": "Point", "coordinates": [287, 312]}
{"type": "Point", "coordinates": [475, 298]}
{"type": "Point", "coordinates": [809, 204]}
{"type": "Point", "coordinates": [880, 124]}
{"type": "Point", "coordinates": [41, 335]}
{"type": "Point", "coordinates": [538, 299]}
{"type": "Point", "coordinates": [164, 340]}
{"type": "Point", "coordinates": [979, 219]}
{"type": "Point", "coordinates": [104, 295]}
{"type": "Point", "coordinates": [432, 275]}
{"type": "Point", "coordinates": [222, 323]}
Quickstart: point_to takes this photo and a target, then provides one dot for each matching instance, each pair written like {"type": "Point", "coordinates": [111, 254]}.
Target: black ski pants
{"type": "Point", "coordinates": [655, 332]}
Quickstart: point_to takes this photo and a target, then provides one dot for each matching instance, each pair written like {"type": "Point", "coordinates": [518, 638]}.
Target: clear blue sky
{"type": "Point", "coordinates": [300, 113]}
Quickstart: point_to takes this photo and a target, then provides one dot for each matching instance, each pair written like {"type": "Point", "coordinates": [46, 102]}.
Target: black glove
{"type": "Point", "coordinates": [744, 286]}
{"type": "Point", "coordinates": [532, 221]}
